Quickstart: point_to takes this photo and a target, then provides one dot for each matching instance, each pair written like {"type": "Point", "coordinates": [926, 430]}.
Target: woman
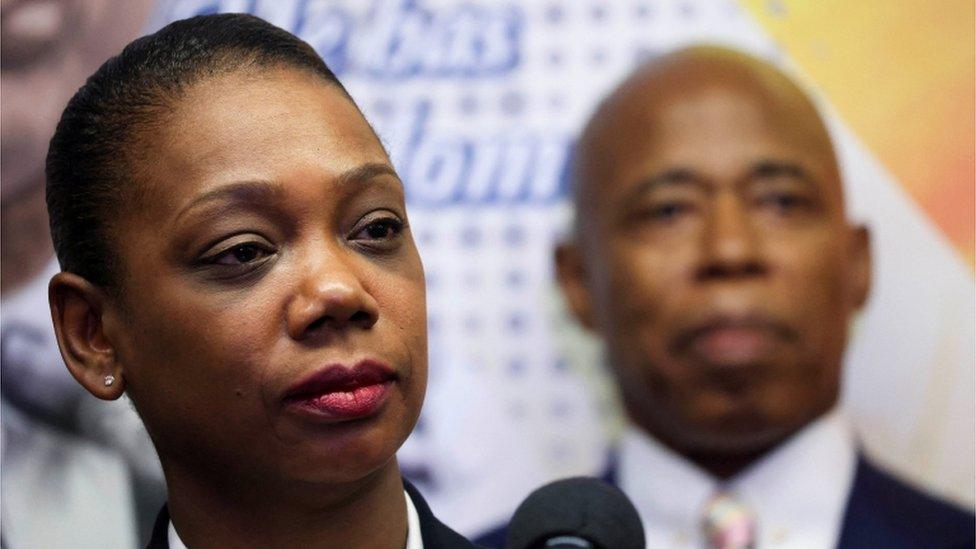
{"type": "Point", "coordinates": [236, 258]}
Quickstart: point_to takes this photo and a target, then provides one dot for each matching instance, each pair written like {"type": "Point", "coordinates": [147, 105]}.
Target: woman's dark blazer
{"type": "Point", "coordinates": [436, 535]}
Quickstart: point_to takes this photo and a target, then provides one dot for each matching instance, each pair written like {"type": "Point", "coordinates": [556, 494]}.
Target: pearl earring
{"type": "Point", "coordinates": [109, 380]}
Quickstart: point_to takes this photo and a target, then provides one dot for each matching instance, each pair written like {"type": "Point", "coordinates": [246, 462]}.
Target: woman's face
{"type": "Point", "coordinates": [272, 323]}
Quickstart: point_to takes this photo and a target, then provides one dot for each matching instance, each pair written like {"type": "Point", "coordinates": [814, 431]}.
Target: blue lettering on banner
{"type": "Point", "coordinates": [400, 40]}
{"type": "Point", "coordinates": [393, 39]}
{"type": "Point", "coordinates": [440, 169]}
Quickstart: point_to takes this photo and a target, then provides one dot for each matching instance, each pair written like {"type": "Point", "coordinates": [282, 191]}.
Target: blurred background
{"type": "Point", "coordinates": [479, 103]}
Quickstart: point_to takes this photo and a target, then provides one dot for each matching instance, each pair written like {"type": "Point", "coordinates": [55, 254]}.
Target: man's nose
{"type": "Point", "coordinates": [731, 246]}
{"type": "Point", "coordinates": [330, 296]}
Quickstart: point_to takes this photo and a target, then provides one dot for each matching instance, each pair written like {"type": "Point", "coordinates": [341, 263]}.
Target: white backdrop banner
{"type": "Point", "coordinates": [478, 102]}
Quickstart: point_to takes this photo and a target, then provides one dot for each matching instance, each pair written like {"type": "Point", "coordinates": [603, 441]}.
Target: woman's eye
{"type": "Point", "coordinates": [241, 254]}
{"type": "Point", "coordinates": [381, 229]}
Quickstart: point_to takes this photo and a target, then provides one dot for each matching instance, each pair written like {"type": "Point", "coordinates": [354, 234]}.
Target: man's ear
{"type": "Point", "coordinates": [77, 307]}
{"type": "Point", "coordinates": [572, 277]}
{"type": "Point", "coordinates": [861, 265]}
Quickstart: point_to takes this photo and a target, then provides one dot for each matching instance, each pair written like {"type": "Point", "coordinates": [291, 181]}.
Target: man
{"type": "Point", "coordinates": [713, 256]}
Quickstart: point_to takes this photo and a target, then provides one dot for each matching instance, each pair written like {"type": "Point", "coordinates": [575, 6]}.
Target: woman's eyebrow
{"type": "Point", "coordinates": [267, 192]}
{"type": "Point", "coordinates": [243, 192]}
{"type": "Point", "coordinates": [365, 172]}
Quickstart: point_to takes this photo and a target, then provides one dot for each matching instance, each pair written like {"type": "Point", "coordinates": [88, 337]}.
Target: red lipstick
{"type": "Point", "coordinates": [337, 392]}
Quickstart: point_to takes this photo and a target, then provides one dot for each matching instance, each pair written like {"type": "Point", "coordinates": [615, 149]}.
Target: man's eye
{"type": "Point", "coordinates": [784, 203]}
{"type": "Point", "coordinates": [241, 254]}
{"type": "Point", "coordinates": [667, 211]}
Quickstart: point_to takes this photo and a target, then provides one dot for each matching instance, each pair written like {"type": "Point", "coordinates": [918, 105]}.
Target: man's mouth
{"type": "Point", "coordinates": [734, 341]}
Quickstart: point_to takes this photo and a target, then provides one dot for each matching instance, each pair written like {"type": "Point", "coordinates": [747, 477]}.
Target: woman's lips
{"type": "Point", "coordinates": [341, 393]}
{"type": "Point", "coordinates": [355, 403]}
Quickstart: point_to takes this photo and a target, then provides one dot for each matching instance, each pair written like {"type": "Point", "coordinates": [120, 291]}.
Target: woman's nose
{"type": "Point", "coordinates": [330, 297]}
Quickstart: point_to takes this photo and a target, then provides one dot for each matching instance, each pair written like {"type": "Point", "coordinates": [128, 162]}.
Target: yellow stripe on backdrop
{"type": "Point", "coordinates": [901, 74]}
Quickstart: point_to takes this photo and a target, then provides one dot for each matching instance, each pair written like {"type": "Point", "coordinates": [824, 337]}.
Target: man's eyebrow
{"type": "Point", "coordinates": [245, 192]}
{"type": "Point", "coordinates": [768, 169]}
{"type": "Point", "coordinates": [667, 178]}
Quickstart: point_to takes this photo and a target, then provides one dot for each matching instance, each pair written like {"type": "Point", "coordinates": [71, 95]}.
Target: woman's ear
{"type": "Point", "coordinates": [77, 307]}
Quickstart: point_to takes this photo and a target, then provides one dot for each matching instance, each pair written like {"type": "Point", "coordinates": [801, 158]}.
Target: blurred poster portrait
{"type": "Point", "coordinates": [74, 468]}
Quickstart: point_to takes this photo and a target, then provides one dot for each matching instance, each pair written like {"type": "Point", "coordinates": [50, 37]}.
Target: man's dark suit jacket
{"type": "Point", "coordinates": [435, 534]}
{"type": "Point", "coordinates": [882, 512]}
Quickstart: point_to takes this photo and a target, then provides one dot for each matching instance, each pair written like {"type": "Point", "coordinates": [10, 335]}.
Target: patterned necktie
{"type": "Point", "coordinates": [728, 523]}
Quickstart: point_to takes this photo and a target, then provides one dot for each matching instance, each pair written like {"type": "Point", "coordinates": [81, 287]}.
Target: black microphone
{"type": "Point", "coordinates": [577, 513]}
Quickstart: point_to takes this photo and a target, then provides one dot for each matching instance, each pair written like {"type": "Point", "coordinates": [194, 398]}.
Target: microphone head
{"type": "Point", "coordinates": [578, 507]}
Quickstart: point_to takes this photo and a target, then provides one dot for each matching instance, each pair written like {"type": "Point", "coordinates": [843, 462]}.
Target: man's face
{"type": "Point", "coordinates": [719, 268]}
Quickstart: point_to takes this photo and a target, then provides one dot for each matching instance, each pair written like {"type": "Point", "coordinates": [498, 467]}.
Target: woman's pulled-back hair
{"type": "Point", "coordinates": [90, 159]}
